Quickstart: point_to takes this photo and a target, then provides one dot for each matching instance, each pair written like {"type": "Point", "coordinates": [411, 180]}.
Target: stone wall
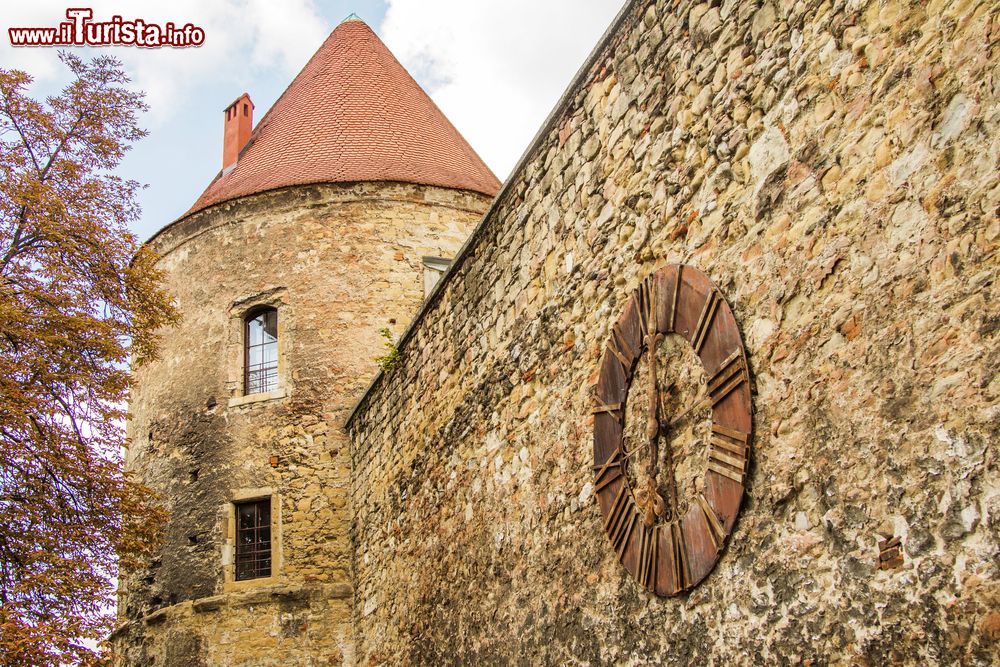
{"type": "Point", "coordinates": [339, 262]}
{"type": "Point", "coordinates": [832, 167]}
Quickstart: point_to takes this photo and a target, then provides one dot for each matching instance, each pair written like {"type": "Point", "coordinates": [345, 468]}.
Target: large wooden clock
{"type": "Point", "coordinates": [672, 426]}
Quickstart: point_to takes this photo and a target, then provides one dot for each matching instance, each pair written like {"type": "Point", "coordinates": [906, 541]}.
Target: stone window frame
{"type": "Point", "coordinates": [235, 346]}
{"type": "Point", "coordinates": [229, 581]}
{"type": "Point", "coordinates": [434, 269]}
{"type": "Point", "coordinates": [253, 556]}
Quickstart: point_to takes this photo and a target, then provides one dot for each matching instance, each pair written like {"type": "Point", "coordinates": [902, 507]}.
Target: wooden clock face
{"type": "Point", "coordinates": [672, 427]}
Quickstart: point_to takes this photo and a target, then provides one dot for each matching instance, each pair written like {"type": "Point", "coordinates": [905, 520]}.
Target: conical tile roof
{"type": "Point", "coordinates": [352, 114]}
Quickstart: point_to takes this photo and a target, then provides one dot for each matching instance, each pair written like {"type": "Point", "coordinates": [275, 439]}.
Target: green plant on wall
{"type": "Point", "coordinates": [390, 359]}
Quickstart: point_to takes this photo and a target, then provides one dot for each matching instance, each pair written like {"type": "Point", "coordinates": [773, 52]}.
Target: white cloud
{"type": "Point", "coordinates": [243, 37]}
{"type": "Point", "coordinates": [496, 69]}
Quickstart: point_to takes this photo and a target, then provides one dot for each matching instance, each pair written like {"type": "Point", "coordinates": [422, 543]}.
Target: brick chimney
{"type": "Point", "coordinates": [239, 122]}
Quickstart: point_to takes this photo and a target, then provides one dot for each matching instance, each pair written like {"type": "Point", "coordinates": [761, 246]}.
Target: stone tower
{"type": "Point", "coordinates": [326, 224]}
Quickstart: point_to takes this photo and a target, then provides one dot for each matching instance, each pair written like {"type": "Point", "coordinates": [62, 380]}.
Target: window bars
{"type": "Point", "coordinates": [253, 539]}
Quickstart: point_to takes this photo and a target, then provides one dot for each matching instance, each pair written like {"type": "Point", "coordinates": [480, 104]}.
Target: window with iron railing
{"type": "Point", "coordinates": [253, 539]}
{"type": "Point", "coordinates": [261, 352]}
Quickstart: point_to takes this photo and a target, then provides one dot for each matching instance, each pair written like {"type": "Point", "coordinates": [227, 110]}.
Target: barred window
{"type": "Point", "coordinates": [261, 351]}
{"type": "Point", "coordinates": [253, 539]}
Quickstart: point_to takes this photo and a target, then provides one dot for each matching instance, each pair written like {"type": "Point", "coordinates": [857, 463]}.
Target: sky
{"type": "Point", "coordinates": [496, 70]}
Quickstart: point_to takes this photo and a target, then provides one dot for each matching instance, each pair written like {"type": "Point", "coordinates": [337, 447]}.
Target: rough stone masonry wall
{"type": "Point", "coordinates": [339, 262]}
{"type": "Point", "coordinates": [832, 166]}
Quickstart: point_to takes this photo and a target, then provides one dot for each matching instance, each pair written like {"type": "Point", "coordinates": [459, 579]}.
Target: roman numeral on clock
{"type": "Point", "coordinates": [649, 546]}
{"type": "Point", "coordinates": [705, 320]}
{"type": "Point", "coordinates": [731, 374]}
{"type": "Point", "coordinates": [682, 578]}
{"type": "Point", "coordinates": [727, 454]}
{"type": "Point", "coordinates": [618, 347]}
{"type": "Point", "coordinates": [621, 518]}
{"type": "Point", "coordinates": [614, 409]}
{"type": "Point", "coordinates": [673, 299]}
{"type": "Point", "coordinates": [609, 471]}
{"type": "Point", "coordinates": [715, 528]}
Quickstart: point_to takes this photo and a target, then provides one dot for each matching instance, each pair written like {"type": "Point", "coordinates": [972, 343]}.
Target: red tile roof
{"type": "Point", "coordinates": [352, 114]}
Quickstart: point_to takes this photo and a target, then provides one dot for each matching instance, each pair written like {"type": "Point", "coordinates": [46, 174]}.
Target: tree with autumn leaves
{"type": "Point", "coordinates": [79, 300]}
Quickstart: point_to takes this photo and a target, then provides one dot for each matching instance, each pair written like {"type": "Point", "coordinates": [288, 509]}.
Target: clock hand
{"type": "Point", "coordinates": [665, 511]}
{"type": "Point", "coordinates": [649, 501]}
{"type": "Point", "coordinates": [653, 402]}
{"type": "Point", "coordinates": [688, 410]}
{"type": "Point", "coordinates": [653, 405]}
{"type": "Point", "coordinates": [666, 426]}
{"type": "Point", "coordinates": [649, 498]}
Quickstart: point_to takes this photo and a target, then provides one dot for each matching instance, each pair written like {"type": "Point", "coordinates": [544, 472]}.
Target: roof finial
{"type": "Point", "coordinates": [352, 17]}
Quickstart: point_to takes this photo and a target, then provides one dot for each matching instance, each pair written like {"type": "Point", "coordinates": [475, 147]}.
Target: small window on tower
{"type": "Point", "coordinates": [253, 539]}
{"type": "Point", "coordinates": [261, 352]}
{"type": "Point", "coordinates": [434, 268]}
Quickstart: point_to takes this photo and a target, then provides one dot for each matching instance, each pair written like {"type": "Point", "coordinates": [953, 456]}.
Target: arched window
{"type": "Point", "coordinates": [260, 346]}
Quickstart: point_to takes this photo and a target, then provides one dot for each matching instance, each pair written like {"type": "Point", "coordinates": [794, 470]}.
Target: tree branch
{"type": "Point", "coordinates": [59, 147]}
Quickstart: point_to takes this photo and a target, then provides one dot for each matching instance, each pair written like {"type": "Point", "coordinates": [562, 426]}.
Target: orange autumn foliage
{"type": "Point", "coordinates": [78, 300]}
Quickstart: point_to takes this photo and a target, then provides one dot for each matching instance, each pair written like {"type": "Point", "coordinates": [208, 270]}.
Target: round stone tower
{"type": "Point", "coordinates": [327, 223]}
